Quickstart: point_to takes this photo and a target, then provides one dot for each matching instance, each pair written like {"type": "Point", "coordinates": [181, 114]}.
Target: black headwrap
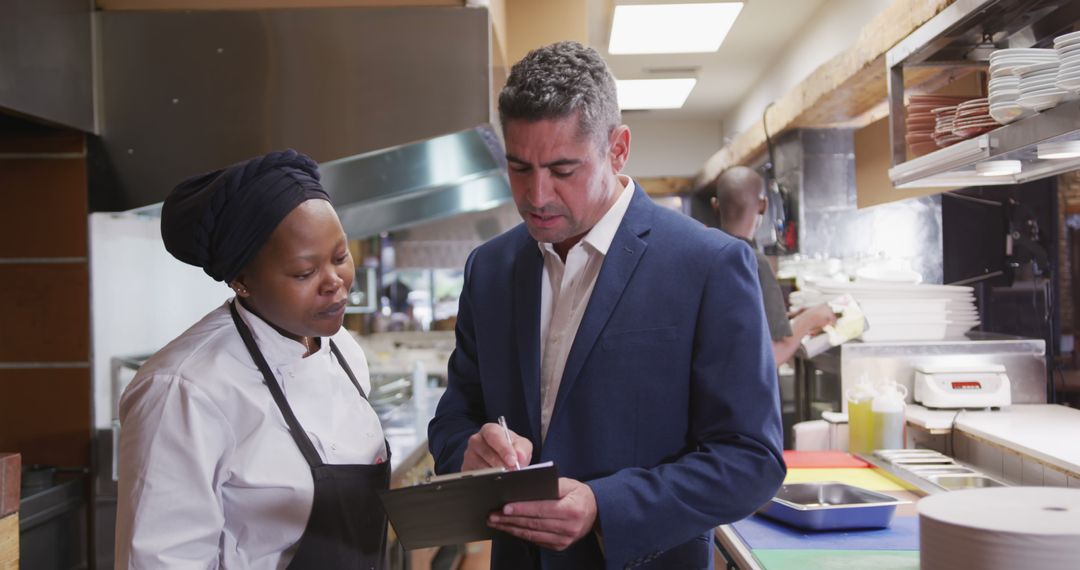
{"type": "Point", "coordinates": [220, 220]}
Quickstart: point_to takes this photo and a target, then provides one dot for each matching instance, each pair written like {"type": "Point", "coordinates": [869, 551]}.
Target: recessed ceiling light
{"type": "Point", "coordinates": [671, 28]}
{"type": "Point", "coordinates": [653, 93]}
{"type": "Point", "coordinates": [1059, 149]}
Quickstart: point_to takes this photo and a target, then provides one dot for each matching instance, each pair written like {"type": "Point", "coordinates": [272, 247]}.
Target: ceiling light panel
{"type": "Point", "coordinates": [653, 93]}
{"type": "Point", "coordinates": [671, 28]}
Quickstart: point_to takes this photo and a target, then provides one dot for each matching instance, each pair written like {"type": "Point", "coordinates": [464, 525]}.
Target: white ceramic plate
{"type": "Point", "coordinates": [1068, 50]}
{"type": "Point", "coordinates": [1007, 115]}
{"type": "Point", "coordinates": [1038, 82]}
{"type": "Point", "coordinates": [1042, 102]}
{"type": "Point", "coordinates": [1044, 92]}
{"type": "Point", "coordinates": [1065, 40]}
{"type": "Point", "coordinates": [1024, 51]}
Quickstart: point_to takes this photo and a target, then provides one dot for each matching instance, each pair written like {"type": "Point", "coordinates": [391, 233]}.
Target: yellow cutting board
{"type": "Point", "coordinates": [859, 477]}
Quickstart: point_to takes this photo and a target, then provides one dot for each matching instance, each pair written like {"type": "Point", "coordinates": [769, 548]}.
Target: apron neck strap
{"type": "Point", "coordinates": [345, 366]}
{"type": "Point", "coordinates": [297, 432]}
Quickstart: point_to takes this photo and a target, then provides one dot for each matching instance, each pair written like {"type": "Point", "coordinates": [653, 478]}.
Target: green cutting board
{"type": "Point", "coordinates": [838, 559]}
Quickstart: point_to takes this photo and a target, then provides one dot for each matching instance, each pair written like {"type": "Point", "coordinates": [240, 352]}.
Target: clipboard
{"type": "Point", "coordinates": [453, 509]}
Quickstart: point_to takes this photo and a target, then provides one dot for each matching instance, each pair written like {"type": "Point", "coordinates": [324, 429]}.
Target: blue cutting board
{"type": "Point", "coordinates": [760, 532]}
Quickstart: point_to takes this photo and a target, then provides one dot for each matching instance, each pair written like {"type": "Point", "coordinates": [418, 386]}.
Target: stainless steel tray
{"type": "Point", "coordinates": [831, 506]}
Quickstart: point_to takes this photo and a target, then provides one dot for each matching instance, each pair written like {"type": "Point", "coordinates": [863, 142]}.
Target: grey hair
{"type": "Point", "coordinates": [558, 80]}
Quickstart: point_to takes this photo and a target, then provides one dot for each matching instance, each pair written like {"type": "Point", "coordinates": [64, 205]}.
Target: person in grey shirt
{"type": "Point", "coordinates": [740, 202]}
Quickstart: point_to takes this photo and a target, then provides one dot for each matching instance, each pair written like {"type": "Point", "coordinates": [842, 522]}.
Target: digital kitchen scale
{"type": "Point", "coordinates": [953, 387]}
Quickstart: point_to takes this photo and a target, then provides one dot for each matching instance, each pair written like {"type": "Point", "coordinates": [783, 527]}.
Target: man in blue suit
{"type": "Point", "coordinates": [623, 341]}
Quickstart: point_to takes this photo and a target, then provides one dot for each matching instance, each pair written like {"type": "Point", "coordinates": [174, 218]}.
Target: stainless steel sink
{"type": "Point", "coordinates": [953, 482]}
{"type": "Point", "coordinates": [930, 471]}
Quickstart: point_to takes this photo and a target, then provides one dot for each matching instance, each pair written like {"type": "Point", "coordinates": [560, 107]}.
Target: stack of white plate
{"type": "Point", "coordinates": [1004, 86]}
{"type": "Point", "coordinates": [1068, 50]}
{"type": "Point", "coordinates": [898, 311]}
{"type": "Point", "coordinates": [1038, 86]}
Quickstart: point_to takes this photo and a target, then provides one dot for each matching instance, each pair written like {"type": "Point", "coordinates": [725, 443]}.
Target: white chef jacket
{"type": "Point", "coordinates": [209, 474]}
{"type": "Point", "coordinates": [564, 294]}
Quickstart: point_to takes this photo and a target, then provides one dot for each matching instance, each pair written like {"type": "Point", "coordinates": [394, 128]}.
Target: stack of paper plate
{"type": "Point", "coordinates": [1068, 50]}
{"type": "Point", "coordinates": [943, 127]}
{"type": "Point", "coordinates": [1000, 528]}
{"type": "Point", "coordinates": [973, 119]}
{"type": "Point", "coordinates": [898, 311]}
{"type": "Point", "coordinates": [921, 121]}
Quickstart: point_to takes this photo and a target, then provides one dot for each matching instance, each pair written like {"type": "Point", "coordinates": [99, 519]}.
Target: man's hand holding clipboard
{"type": "Point", "coordinates": [554, 524]}
{"type": "Point", "coordinates": [491, 494]}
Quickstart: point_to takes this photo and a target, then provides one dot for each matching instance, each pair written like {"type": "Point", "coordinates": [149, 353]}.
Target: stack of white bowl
{"type": "Point", "coordinates": [1068, 50]}
{"type": "Point", "coordinates": [1005, 82]}
{"type": "Point", "coordinates": [901, 311]}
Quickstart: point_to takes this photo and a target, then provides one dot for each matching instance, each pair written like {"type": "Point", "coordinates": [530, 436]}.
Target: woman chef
{"type": "Point", "coordinates": [248, 441]}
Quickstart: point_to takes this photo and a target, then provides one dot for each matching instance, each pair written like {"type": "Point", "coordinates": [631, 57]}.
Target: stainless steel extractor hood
{"type": "Point", "coordinates": [405, 185]}
{"type": "Point", "coordinates": [187, 92]}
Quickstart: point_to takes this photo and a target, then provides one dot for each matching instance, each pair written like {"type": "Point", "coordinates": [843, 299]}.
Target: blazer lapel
{"type": "Point", "coordinates": [528, 270]}
{"type": "Point", "coordinates": [622, 258]}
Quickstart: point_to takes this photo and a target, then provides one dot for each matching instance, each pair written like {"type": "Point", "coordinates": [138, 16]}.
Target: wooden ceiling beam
{"type": "Point", "coordinates": [845, 90]}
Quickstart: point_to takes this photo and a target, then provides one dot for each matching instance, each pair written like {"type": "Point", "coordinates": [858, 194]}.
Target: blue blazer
{"type": "Point", "coordinates": [668, 407]}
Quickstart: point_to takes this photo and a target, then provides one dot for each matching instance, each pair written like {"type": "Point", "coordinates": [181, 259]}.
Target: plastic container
{"type": "Point", "coordinates": [887, 413]}
{"type": "Point", "coordinates": [860, 418]}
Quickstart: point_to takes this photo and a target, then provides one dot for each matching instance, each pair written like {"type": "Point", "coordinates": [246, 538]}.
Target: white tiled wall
{"type": "Point", "coordinates": [1032, 472]}
{"type": "Point", "coordinates": [1009, 466]}
{"type": "Point", "coordinates": [987, 457]}
{"type": "Point", "coordinates": [1013, 468]}
{"type": "Point", "coordinates": [1054, 478]}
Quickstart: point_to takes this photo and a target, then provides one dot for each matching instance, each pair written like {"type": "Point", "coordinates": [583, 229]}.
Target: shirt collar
{"type": "Point", "coordinates": [603, 233]}
{"type": "Point", "coordinates": [276, 348]}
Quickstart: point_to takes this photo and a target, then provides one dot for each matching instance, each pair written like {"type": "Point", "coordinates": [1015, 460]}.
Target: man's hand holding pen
{"type": "Point", "coordinates": [489, 448]}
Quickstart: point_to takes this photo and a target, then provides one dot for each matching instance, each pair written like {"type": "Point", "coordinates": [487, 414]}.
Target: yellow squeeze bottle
{"type": "Point", "coordinates": [860, 418]}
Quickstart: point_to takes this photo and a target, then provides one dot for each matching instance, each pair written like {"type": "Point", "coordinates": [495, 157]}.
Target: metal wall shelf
{"type": "Point", "coordinates": [962, 36]}
{"type": "Point", "coordinates": [953, 166]}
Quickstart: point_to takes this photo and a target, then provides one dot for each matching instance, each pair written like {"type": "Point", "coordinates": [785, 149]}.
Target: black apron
{"type": "Point", "coordinates": [347, 528]}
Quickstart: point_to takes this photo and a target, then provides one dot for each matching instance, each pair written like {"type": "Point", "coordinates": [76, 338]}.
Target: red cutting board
{"type": "Point", "coordinates": [821, 459]}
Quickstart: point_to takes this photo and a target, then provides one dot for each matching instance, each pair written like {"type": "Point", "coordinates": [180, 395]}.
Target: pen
{"type": "Point", "coordinates": [510, 442]}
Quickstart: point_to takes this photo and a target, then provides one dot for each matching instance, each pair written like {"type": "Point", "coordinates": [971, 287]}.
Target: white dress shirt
{"type": "Point", "coordinates": [564, 294]}
{"type": "Point", "coordinates": [209, 474]}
